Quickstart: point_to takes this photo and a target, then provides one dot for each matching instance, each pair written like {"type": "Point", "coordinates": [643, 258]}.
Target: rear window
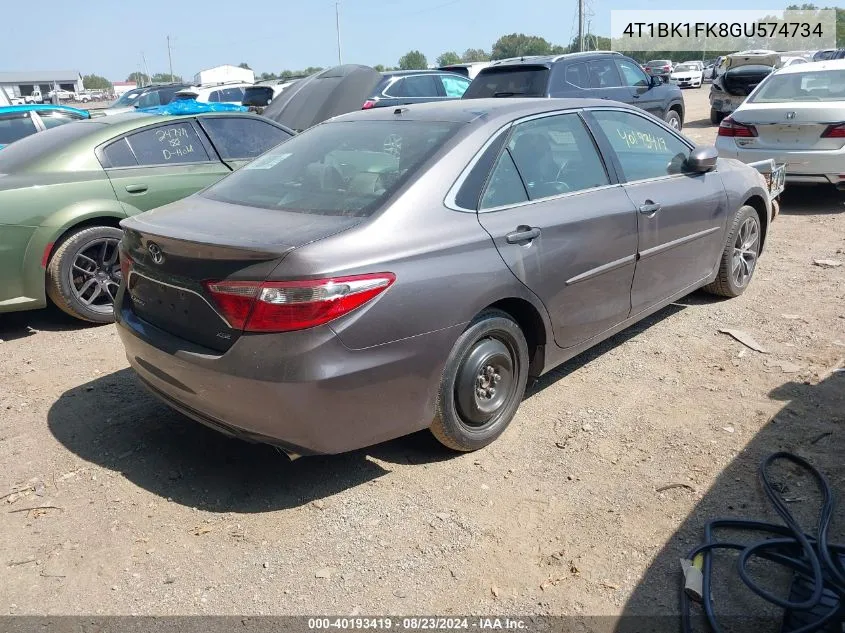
{"type": "Point", "coordinates": [345, 168]}
{"type": "Point", "coordinates": [14, 127]}
{"type": "Point", "coordinates": [825, 85]}
{"type": "Point", "coordinates": [518, 81]}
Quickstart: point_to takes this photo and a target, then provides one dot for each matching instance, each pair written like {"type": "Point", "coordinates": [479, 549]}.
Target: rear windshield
{"type": "Point", "coordinates": [659, 62]}
{"type": "Point", "coordinates": [517, 81]}
{"type": "Point", "coordinates": [344, 168]}
{"type": "Point", "coordinates": [824, 85]}
{"type": "Point", "coordinates": [685, 68]}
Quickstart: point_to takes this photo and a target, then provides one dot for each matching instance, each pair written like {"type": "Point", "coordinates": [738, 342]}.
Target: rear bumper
{"type": "Point", "coordinates": [303, 391]}
{"type": "Point", "coordinates": [825, 167]}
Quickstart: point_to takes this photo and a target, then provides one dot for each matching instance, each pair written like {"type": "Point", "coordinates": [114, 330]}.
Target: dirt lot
{"type": "Point", "coordinates": [145, 512]}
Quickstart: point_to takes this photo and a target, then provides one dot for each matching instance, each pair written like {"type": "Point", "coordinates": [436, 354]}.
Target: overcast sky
{"type": "Point", "coordinates": [107, 37]}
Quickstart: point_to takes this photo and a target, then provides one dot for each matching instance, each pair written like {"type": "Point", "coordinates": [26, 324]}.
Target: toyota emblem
{"type": "Point", "coordinates": [155, 253]}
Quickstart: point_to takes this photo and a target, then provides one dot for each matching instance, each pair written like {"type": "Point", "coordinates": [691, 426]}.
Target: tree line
{"type": "Point", "coordinates": [512, 45]}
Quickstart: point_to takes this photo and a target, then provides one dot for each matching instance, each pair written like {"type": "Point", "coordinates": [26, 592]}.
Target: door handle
{"type": "Point", "coordinates": [522, 234]}
{"type": "Point", "coordinates": [136, 188]}
{"type": "Point", "coordinates": [649, 208]}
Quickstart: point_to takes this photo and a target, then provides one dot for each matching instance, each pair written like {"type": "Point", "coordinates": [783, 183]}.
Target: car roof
{"type": "Point", "coordinates": [828, 64]}
{"type": "Point", "coordinates": [547, 60]}
{"type": "Point", "coordinates": [404, 73]}
{"type": "Point", "coordinates": [41, 106]}
{"type": "Point", "coordinates": [471, 110]}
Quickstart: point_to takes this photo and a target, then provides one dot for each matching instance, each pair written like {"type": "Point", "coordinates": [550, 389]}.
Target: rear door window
{"type": "Point", "coordinates": [415, 86]}
{"type": "Point", "coordinates": [170, 144]}
{"type": "Point", "coordinates": [603, 74]}
{"type": "Point", "coordinates": [118, 154]}
{"type": "Point", "coordinates": [515, 81]}
{"type": "Point", "coordinates": [232, 95]}
{"type": "Point", "coordinates": [238, 138]}
{"type": "Point", "coordinates": [578, 75]}
{"type": "Point", "coordinates": [556, 155]}
{"type": "Point", "coordinates": [15, 126]}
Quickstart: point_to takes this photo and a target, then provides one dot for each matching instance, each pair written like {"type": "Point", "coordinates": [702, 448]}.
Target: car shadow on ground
{"type": "Point", "coordinates": [811, 200]}
{"type": "Point", "coordinates": [15, 325]}
{"type": "Point", "coordinates": [698, 124]}
{"type": "Point", "coordinates": [810, 424]}
{"type": "Point", "coordinates": [113, 422]}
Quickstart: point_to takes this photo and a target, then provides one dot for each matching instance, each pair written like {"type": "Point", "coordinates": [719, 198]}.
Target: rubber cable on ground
{"type": "Point", "coordinates": [813, 556]}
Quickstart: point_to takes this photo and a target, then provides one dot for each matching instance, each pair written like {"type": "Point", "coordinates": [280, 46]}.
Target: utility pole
{"type": "Point", "coordinates": [580, 25]}
{"type": "Point", "coordinates": [587, 36]}
{"type": "Point", "coordinates": [337, 27]}
{"type": "Point", "coordinates": [169, 58]}
{"type": "Point", "coordinates": [146, 70]}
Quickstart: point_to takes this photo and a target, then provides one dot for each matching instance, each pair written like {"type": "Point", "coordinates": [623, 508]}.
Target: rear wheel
{"type": "Point", "coordinates": [84, 274]}
{"type": "Point", "coordinates": [739, 259]}
{"type": "Point", "coordinates": [483, 383]}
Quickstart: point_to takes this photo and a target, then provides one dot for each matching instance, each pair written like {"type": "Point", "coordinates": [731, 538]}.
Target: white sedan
{"type": "Point", "coordinates": [795, 116]}
{"type": "Point", "coordinates": [687, 75]}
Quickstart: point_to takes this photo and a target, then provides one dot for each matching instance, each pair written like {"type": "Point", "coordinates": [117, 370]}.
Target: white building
{"type": "Point", "coordinates": [23, 84]}
{"type": "Point", "coordinates": [225, 73]}
{"type": "Point", "coordinates": [122, 87]}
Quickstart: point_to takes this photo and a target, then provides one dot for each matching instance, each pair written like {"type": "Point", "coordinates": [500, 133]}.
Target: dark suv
{"type": "Point", "coordinates": [595, 74]}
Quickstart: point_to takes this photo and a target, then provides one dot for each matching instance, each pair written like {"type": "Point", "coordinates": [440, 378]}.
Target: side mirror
{"type": "Point", "coordinates": [703, 159]}
{"type": "Point", "coordinates": [656, 80]}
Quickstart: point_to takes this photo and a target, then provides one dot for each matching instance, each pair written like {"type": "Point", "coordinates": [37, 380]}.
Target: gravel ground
{"type": "Point", "coordinates": [144, 512]}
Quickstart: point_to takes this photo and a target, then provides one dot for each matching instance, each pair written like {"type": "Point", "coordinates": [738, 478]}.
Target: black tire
{"type": "Point", "coordinates": [673, 119]}
{"type": "Point", "coordinates": [716, 116]}
{"type": "Point", "coordinates": [64, 280]}
{"type": "Point", "coordinates": [468, 416]}
{"type": "Point", "coordinates": [728, 282]}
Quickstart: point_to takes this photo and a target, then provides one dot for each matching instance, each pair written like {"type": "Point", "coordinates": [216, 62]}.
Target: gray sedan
{"type": "Point", "coordinates": [400, 269]}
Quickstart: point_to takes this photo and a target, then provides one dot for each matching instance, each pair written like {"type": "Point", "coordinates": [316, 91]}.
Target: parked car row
{"type": "Point", "coordinates": [331, 274]}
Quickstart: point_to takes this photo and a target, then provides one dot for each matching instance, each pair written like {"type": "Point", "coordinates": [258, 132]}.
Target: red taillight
{"type": "Point", "coordinates": [729, 127]}
{"type": "Point", "coordinates": [283, 306]}
{"type": "Point", "coordinates": [834, 131]}
{"type": "Point", "coordinates": [125, 263]}
{"type": "Point", "coordinates": [369, 103]}
{"type": "Point", "coordinates": [667, 68]}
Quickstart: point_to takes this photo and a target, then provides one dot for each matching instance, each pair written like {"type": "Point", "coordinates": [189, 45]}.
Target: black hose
{"type": "Point", "coordinates": [814, 557]}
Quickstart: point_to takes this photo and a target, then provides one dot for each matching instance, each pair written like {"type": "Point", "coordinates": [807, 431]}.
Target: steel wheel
{"type": "Point", "coordinates": [485, 383]}
{"type": "Point", "coordinates": [746, 249]}
{"type": "Point", "coordinates": [95, 274]}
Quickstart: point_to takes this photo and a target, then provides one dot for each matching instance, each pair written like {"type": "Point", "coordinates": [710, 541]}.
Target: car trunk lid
{"type": "Point", "coordinates": [176, 250]}
{"type": "Point", "coordinates": [791, 126]}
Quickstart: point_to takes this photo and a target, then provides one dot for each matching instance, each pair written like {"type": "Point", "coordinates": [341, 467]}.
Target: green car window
{"type": "Point", "coordinates": [238, 138]}
{"type": "Point", "coordinates": [169, 144]}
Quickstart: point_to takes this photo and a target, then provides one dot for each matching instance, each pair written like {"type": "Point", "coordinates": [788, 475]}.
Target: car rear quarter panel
{"type": "Point", "coordinates": [743, 184]}
{"type": "Point", "coordinates": [43, 213]}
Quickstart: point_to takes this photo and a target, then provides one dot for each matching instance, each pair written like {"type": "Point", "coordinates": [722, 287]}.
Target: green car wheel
{"type": "Point", "coordinates": [83, 275]}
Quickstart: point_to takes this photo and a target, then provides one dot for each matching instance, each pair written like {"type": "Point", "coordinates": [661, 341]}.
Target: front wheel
{"type": "Point", "coordinates": [739, 259]}
{"type": "Point", "coordinates": [673, 119]}
{"type": "Point", "coordinates": [84, 274]}
{"type": "Point", "coordinates": [482, 384]}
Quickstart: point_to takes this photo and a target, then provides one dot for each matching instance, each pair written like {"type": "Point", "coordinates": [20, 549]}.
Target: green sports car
{"type": "Point", "coordinates": [64, 191]}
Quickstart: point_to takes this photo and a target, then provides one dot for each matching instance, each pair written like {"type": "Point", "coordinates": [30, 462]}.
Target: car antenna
{"type": "Point", "coordinates": [400, 110]}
